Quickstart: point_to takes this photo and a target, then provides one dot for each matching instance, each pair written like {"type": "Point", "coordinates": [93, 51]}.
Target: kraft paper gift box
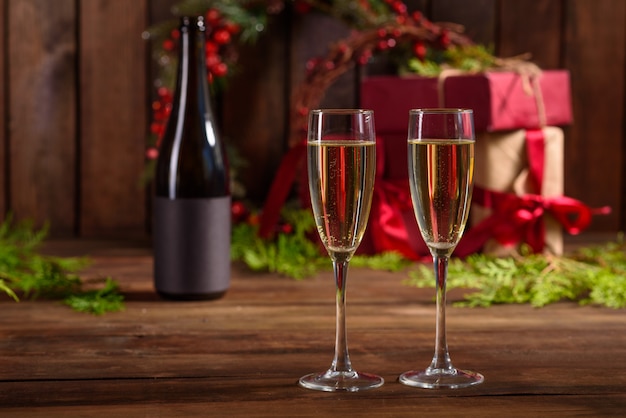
{"type": "Point", "coordinates": [502, 165]}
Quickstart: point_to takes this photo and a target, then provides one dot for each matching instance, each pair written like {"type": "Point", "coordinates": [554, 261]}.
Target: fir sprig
{"type": "Point", "coordinates": [26, 273]}
{"type": "Point", "coordinates": [591, 275]}
{"type": "Point", "coordinates": [97, 301]}
{"type": "Point", "coordinates": [467, 58]}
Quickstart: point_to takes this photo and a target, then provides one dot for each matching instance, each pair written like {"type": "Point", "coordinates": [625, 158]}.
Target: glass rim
{"type": "Point", "coordinates": [442, 110]}
{"type": "Point", "coordinates": [342, 111]}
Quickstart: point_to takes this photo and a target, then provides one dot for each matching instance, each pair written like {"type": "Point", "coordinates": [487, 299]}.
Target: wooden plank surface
{"type": "Point", "coordinates": [42, 106]}
{"type": "Point", "coordinates": [114, 117]}
{"type": "Point", "coordinates": [242, 355]}
{"type": "Point", "coordinates": [532, 27]}
{"type": "Point", "coordinates": [479, 20]}
{"type": "Point", "coordinates": [597, 139]}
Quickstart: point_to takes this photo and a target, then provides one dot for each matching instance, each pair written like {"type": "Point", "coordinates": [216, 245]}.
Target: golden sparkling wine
{"type": "Point", "coordinates": [442, 174]}
{"type": "Point", "coordinates": [341, 197]}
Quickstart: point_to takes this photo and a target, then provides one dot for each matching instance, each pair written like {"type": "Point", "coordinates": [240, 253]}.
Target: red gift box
{"type": "Point", "coordinates": [501, 100]}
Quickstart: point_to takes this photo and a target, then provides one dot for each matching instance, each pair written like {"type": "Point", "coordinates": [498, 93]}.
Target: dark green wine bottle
{"type": "Point", "coordinates": [192, 205]}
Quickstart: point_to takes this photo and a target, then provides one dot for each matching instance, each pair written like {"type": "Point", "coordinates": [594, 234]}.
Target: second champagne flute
{"type": "Point", "coordinates": [341, 149]}
{"type": "Point", "coordinates": [441, 176]}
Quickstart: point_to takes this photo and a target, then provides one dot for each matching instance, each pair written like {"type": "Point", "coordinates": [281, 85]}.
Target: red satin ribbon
{"type": "Point", "coordinates": [517, 219]}
{"type": "Point", "coordinates": [392, 222]}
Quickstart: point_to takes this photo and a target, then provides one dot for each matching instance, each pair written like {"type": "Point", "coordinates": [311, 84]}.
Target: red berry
{"type": "Point", "coordinates": [399, 7]}
{"type": "Point", "coordinates": [219, 70]}
{"type": "Point", "coordinates": [211, 47]}
{"type": "Point", "coordinates": [213, 17]}
{"type": "Point", "coordinates": [212, 60]}
{"type": "Point", "coordinates": [169, 45]}
{"type": "Point", "coordinates": [419, 49]}
{"type": "Point", "coordinates": [238, 211]}
{"type": "Point", "coordinates": [152, 153]}
{"type": "Point", "coordinates": [221, 36]}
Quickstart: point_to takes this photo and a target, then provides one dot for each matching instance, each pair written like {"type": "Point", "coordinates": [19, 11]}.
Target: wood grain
{"type": "Point", "coordinates": [479, 20]}
{"type": "Point", "coordinates": [114, 117]}
{"type": "Point", "coordinates": [533, 27]}
{"type": "Point", "coordinates": [242, 355]}
{"type": "Point", "coordinates": [596, 56]}
{"type": "Point", "coordinates": [42, 107]}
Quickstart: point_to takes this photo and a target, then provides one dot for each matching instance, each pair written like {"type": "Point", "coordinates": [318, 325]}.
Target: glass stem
{"type": "Point", "coordinates": [341, 361]}
{"type": "Point", "coordinates": [441, 359]}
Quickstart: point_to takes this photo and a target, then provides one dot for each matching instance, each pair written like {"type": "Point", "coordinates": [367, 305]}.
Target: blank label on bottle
{"type": "Point", "coordinates": [192, 247]}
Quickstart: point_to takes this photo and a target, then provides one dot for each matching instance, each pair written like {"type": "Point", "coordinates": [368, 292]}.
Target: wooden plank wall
{"type": "Point", "coordinates": [75, 90]}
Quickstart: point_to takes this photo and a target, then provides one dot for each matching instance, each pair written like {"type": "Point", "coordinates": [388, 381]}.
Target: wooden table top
{"type": "Point", "coordinates": [242, 355]}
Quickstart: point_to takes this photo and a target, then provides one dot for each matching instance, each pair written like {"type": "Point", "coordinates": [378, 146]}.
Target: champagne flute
{"type": "Point", "coordinates": [441, 176]}
{"type": "Point", "coordinates": [341, 153]}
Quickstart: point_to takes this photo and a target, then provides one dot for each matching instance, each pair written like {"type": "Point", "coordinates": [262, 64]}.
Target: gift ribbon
{"type": "Point", "coordinates": [518, 219]}
{"type": "Point", "coordinates": [392, 222]}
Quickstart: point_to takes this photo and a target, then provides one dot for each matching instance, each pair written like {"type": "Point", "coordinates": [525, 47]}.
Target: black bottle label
{"type": "Point", "coordinates": [192, 247]}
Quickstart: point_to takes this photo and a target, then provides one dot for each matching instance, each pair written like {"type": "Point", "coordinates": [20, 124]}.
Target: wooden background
{"type": "Point", "coordinates": [76, 86]}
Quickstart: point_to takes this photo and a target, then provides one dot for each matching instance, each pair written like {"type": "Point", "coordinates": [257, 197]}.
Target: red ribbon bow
{"type": "Point", "coordinates": [517, 219]}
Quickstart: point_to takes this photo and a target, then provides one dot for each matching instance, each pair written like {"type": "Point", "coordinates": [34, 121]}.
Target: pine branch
{"type": "Point", "coordinates": [25, 272]}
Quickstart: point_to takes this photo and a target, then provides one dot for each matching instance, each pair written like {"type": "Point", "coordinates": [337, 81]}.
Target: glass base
{"type": "Point", "coordinates": [333, 381]}
{"type": "Point", "coordinates": [441, 378]}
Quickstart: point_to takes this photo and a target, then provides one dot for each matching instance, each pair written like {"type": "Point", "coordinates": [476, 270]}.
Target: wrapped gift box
{"type": "Point", "coordinates": [501, 100]}
{"type": "Point", "coordinates": [502, 165]}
